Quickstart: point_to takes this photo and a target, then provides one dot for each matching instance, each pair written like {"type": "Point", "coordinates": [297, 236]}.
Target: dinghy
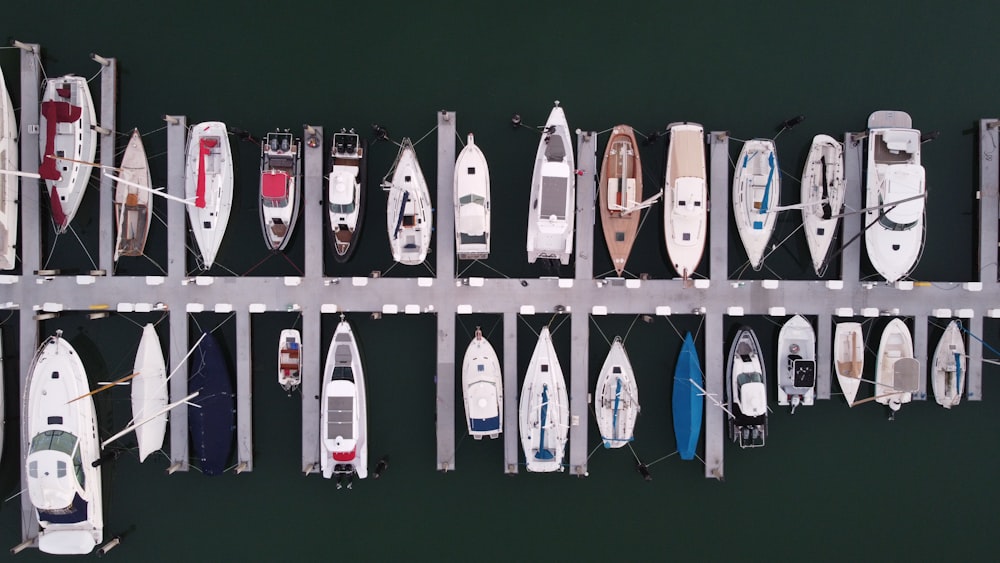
{"type": "Point", "coordinates": [209, 184]}
{"type": "Point", "coordinates": [948, 372]}
{"type": "Point", "coordinates": [894, 220]}
{"type": "Point", "coordinates": [620, 195]}
{"type": "Point", "coordinates": [553, 193]}
{"type": "Point", "coordinates": [849, 358]}
{"type": "Point", "coordinates": [756, 190]}
{"type": "Point", "coordinates": [408, 213]}
{"type": "Point", "coordinates": [482, 388]}
{"type": "Point", "coordinates": [211, 426]}
{"type": "Point", "coordinates": [280, 187]}
{"type": "Point", "coordinates": [68, 143]}
{"type": "Point", "coordinates": [685, 198]}
{"type": "Point", "coordinates": [746, 391]}
{"type": "Point", "coordinates": [132, 202]}
{"type": "Point", "coordinates": [63, 484]}
{"type": "Point", "coordinates": [896, 371]}
{"type": "Point", "coordinates": [472, 203]}
{"type": "Point", "coordinates": [822, 197]}
{"type": "Point", "coordinates": [8, 182]}
{"type": "Point", "coordinates": [796, 363]}
{"type": "Point", "coordinates": [543, 413]}
{"type": "Point", "coordinates": [149, 393]}
{"type": "Point", "coordinates": [688, 399]}
{"type": "Point", "coordinates": [289, 359]}
{"type": "Point", "coordinates": [616, 398]}
{"type": "Point", "coordinates": [344, 408]}
{"type": "Point", "coordinates": [346, 193]}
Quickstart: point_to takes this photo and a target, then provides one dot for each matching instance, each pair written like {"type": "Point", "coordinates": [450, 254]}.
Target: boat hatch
{"type": "Point", "coordinates": [554, 193]}
{"type": "Point", "coordinates": [803, 372]}
{"type": "Point", "coordinates": [555, 150]}
{"type": "Point", "coordinates": [340, 418]}
{"type": "Point", "coordinates": [274, 187]}
{"type": "Point", "coordinates": [906, 375]}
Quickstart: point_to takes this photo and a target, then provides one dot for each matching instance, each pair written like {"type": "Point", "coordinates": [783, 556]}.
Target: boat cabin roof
{"type": "Point", "coordinates": [274, 185]}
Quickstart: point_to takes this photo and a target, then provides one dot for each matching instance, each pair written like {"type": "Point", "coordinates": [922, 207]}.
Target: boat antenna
{"type": "Point", "coordinates": [788, 124]}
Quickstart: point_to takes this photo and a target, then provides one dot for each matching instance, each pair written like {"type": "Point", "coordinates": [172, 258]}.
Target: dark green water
{"type": "Point", "coordinates": [831, 483]}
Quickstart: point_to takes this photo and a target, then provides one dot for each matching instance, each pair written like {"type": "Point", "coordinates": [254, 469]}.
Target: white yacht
{"type": "Point", "coordinates": [472, 203]}
{"type": "Point", "coordinates": [280, 187]}
{"type": "Point", "coordinates": [896, 370]}
{"type": "Point", "coordinates": [482, 388]}
{"type": "Point", "coordinates": [553, 193]}
{"type": "Point", "coordinates": [344, 408]}
{"type": "Point", "coordinates": [346, 194]}
{"type": "Point", "coordinates": [796, 363]}
{"type": "Point", "coordinates": [409, 212]}
{"type": "Point", "coordinates": [685, 198]}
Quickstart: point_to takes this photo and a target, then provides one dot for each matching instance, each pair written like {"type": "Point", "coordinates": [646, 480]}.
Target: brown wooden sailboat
{"type": "Point", "coordinates": [132, 202]}
{"type": "Point", "coordinates": [620, 194]}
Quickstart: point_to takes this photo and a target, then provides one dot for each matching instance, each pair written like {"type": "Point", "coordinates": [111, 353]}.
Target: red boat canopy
{"type": "Point", "coordinates": [274, 185]}
{"type": "Point", "coordinates": [55, 112]}
{"type": "Point", "coordinates": [343, 456]}
{"type": "Point", "coordinates": [205, 146]}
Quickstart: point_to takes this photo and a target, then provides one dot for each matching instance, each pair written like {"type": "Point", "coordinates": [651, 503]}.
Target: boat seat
{"type": "Point", "coordinates": [285, 366]}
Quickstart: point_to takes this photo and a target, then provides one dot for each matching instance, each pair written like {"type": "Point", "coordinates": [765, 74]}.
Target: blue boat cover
{"type": "Point", "coordinates": [485, 424]}
{"type": "Point", "coordinates": [211, 426]}
{"type": "Point", "coordinates": [688, 401]}
{"type": "Point", "coordinates": [544, 454]}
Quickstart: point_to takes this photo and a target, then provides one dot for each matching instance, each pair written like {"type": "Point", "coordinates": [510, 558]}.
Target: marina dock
{"type": "Point", "coordinates": [314, 294]}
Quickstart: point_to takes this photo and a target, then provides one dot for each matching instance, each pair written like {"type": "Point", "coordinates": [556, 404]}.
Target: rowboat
{"type": "Point", "coordinates": [685, 198]}
{"type": "Point", "coordinates": [756, 190]}
{"type": "Point", "coordinates": [746, 391]}
{"type": "Point", "coordinates": [8, 182]}
{"type": "Point", "coordinates": [482, 388]}
{"type": "Point", "coordinates": [823, 191]}
{"type": "Point", "coordinates": [620, 195]}
{"type": "Point", "coordinates": [894, 195]}
{"type": "Point", "coordinates": [346, 193]}
{"type": "Point", "coordinates": [68, 144]}
{"type": "Point", "coordinates": [948, 370]}
{"type": "Point", "coordinates": [553, 193]}
{"type": "Point", "coordinates": [616, 398]}
{"type": "Point", "coordinates": [289, 359]}
{"type": "Point", "coordinates": [149, 393]}
{"type": "Point", "coordinates": [688, 400]}
{"type": "Point", "coordinates": [472, 203]}
{"type": "Point", "coordinates": [543, 413]}
{"type": "Point", "coordinates": [59, 422]}
{"type": "Point", "coordinates": [209, 184]}
{"type": "Point", "coordinates": [344, 408]}
{"type": "Point", "coordinates": [849, 358]}
{"type": "Point", "coordinates": [132, 202]}
{"type": "Point", "coordinates": [896, 370]}
{"type": "Point", "coordinates": [211, 425]}
{"type": "Point", "coordinates": [409, 213]}
{"type": "Point", "coordinates": [280, 187]}
{"type": "Point", "coordinates": [796, 365]}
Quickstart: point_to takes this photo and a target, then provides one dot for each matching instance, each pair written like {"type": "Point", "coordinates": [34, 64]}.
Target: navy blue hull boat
{"type": "Point", "coordinates": [211, 426]}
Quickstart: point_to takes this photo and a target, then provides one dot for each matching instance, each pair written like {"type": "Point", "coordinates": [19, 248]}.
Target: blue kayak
{"type": "Point", "coordinates": [688, 399]}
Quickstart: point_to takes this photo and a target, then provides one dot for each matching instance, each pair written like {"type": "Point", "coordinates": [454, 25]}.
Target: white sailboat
{"type": "Point", "coordinates": [849, 358]}
{"type": "Point", "coordinates": [823, 188]}
{"type": "Point", "coordinates": [289, 359]}
{"type": "Point", "coordinates": [796, 363]}
{"type": "Point", "coordinates": [948, 372]}
{"type": "Point", "coordinates": [472, 203]}
{"type": "Point", "coordinates": [685, 198]}
{"type": "Point", "coordinates": [132, 203]}
{"type": "Point", "coordinates": [62, 483]}
{"type": "Point", "coordinates": [149, 393]}
{"type": "Point", "coordinates": [553, 193]}
{"type": "Point", "coordinates": [8, 182]}
{"type": "Point", "coordinates": [896, 371]}
{"type": "Point", "coordinates": [408, 212]}
{"type": "Point", "coordinates": [209, 182]}
{"type": "Point", "coordinates": [543, 413]}
{"type": "Point", "coordinates": [616, 398]}
{"type": "Point", "coordinates": [66, 131]}
{"type": "Point", "coordinates": [482, 388]}
{"type": "Point", "coordinates": [756, 190]}
{"type": "Point", "coordinates": [344, 408]}
{"type": "Point", "coordinates": [894, 228]}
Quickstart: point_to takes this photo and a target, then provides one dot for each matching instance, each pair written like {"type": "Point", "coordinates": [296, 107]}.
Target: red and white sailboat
{"type": "Point", "coordinates": [209, 181]}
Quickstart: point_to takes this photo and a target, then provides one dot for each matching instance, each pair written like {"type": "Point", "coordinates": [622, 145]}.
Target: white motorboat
{"type": "Point", "coordinates": [796, 363]}
{"type": "Point", "coordinates": [209, 184]}
{"type": "Point", "coordinates": [849, 358]}
{"type": "Point", "coordinates": [756, 191]}
{"type": "Point", "coordinates": [346, 194]}
{"type": "Point", "coordinates": [344, 408]}
{"type": "Point", "coordinates": [132, 202]}
{"type": "Point", "coordinates": [894, 195]}
{"type": "Point", "coordinates": [472, 203]}
{"type": "Point", "coordinates": [685, 198]}
{"type": "Point", "coordinates": [8, 182]}
{"type": "Point", "coordinates": [543, 413]}
{"type": "Point", "coordinates": [149, 393]}
{"type": "Point", "coordinates": [822, 197]}
{"type": "Point", "coordinates": [289, 359]}
{"type": "Point", "coordinates": [553, 193]}
{"type": "Point", "coordinates": [482, 388]}
{"type": "Point", "coordinates": [948, 372]}
{"type": "Point", "coordinates": [280, 187]}
{"type": "Point", "coordinates": [616, 398]}
{"type": "Point", "coordinates": [68, 143]}
{"type": "Point", "coordinates": [746, 391]}
{"type": "Point", "coordinates": [896, 371]}
{"type": "Point", "coordinates": [409, 212]}
{"type": "Point", "coordinates": [63, 484]}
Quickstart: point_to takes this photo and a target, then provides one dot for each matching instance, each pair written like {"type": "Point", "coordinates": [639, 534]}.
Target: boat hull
{"type": "Point", "coordinates": [149, 393]}
{"type": "Point", "coordinates": [796, 365]}
{"type": "Point", "coordinates": [617, 398]}
{"type": "Point", "coordinates": [746, 391]}
{"type": "Point", "coordinates": [756, 190]}
{"type": "Point", "coordinates": [482, 389]}
{"type": "Point", "coordinates": [280, 188]}
{"type": "Point", "coordinates": [132, 205]}
{"type": "Point", "coordinates": [620, 191]}
{"type": "Point", "coordinates": [543, 412]}
{"type": "Point", "coordinates": [688, 400]}
{"type": "Point", "coordinates": [408, 213]}
{"type": "Point", "coordinates": [895, 346]}
{"type": "Point", "coordinates": [822, 178]}
{"type": "Point", "coordinates": [66, 127]}
{"type": "Point", "coordinates": [344, 408]}
{"type": "Point", "coordinates": [345, 197]}
{"type": "Point", "coordinates": [949, 367]}
{"type": "Point", "coordinates": [472, 203]}
{"type": "Point", "coordinates": [849, 358]}
{"type": "Point", "coordinates": [211, 426]}
{"type": "Point", "coordinates": [551, 213]}
{"type": "Point", "coordinates": [209, 184]}
{"type": "Point", "coordinates": [9, 189]}
{"type": "Point", "coordinates": [685, 198]}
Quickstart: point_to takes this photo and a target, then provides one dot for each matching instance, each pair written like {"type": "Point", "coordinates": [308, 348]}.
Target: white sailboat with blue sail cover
{"type": "Point", "coordinates": [616, 398]}
{"type": "Point", "coordinates": [756, 192]}
{"type": "Point", "coordinates": [543, 414]}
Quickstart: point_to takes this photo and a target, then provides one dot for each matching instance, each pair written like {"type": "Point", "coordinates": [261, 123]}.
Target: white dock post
{"type": "Point", "coordinates": [244, 392]}
{"type": "Point", "coordinates": [824, 354]}
{"type": "Point", "coordinates": [312, 353]}
{"type": "Point", "coordinates": [920, 354]}
{"type": "Point", "coordinates": [850, 257]}
{"type": "Point", "coordinates": [511, 432]}
{"type": "Point", "coordinates": [109, 101]}
{"type": "Point", "coordinates": [586, 187]}
{"type": "Point", "coordinates": [176, 270]}
{"type": "Point", "coordinates": [312, 203]}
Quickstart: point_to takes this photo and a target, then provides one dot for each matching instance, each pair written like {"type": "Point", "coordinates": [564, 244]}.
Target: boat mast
{"type": "Point", "coordinates": [154, 191]}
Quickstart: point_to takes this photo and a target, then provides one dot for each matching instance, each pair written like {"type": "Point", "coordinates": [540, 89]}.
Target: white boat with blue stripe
{"type": "Point", "coordinates": [617, 398]}
{"type": "Point", "coordinates": [543, 414]}
{"type": "Point", "coordinates": [482, 388]}
{"type": "Point", "coordinates": [756, 191]}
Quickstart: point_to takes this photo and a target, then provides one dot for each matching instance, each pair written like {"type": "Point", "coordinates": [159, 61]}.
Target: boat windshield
{"type": "Point", "coordinates": [275, 201]}
{"type": "Point", "coordinates": [342, 208]}
{"type": "Point", "coordinates": [744, 378]}
{"type": "Point", "coordinates": [472, 198]}
{"type": "Point", "coordinates": [886, 221]}
{"type": "Point", "coordinates": [62, 442]}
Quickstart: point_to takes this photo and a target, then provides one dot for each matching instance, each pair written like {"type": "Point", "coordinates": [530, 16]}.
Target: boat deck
{"type": "Point", "coordinates": [445, 296]}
